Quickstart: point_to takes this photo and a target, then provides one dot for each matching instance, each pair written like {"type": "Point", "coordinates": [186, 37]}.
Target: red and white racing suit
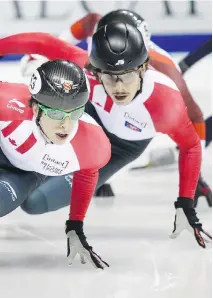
{"type": "Point", "coordinates": [26, 149]}
{"type": "Point", "coordinates": [159, 108]}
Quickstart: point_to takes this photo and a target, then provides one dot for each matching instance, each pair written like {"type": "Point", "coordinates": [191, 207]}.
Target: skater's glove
{"type": "Point", "coordinates": [77, 244]}
{"type": "Point", "coordinates": [186, 218]}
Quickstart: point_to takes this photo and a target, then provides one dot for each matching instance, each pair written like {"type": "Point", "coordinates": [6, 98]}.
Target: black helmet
{"type": "Point", "coordinates": [128, 17]}
{"type": "Point", "coordinates": [118, 47]}
{"type": "Point", "coordinates": [60, 84]}
{"type": "Point", "coordinates": [121, 15]}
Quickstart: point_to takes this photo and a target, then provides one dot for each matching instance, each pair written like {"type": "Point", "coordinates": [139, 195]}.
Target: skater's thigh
{"type": "Point", "coordinates": [15, 187]}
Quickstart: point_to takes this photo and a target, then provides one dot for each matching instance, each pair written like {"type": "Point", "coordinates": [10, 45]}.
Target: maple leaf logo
{"type": "Point", "coordinates": [13, 142]}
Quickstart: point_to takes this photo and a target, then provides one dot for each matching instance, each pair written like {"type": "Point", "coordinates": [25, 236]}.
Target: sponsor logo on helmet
{"type": "Point", "coordinates": [120, 62]}
{"type": "Point", "coordinates": [66, 85]}
{"type": "Point", "coordinates": [16, 108]}
{"type": "Point", "coordinates": [135, 18]}
{"type": "Point", "coordinates": [143, 28]}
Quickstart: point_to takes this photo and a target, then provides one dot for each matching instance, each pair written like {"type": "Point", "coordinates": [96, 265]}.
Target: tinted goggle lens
{"type": "Point", "coordinates": [61, 115]}
{"type": "Point", "coordinates": [126, 78]}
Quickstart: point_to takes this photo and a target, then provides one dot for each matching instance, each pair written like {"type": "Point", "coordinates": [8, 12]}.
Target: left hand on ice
{"type": "Point", "coordinates": [186, 218]}
{"type": "Point", "coordinates": [77, 244]}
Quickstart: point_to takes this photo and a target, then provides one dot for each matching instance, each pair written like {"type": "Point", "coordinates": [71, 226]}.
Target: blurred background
{"type": "Point", "coordinates": [175, 25]}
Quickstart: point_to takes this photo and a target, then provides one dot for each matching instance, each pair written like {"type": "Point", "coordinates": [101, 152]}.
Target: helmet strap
{"type": "Point", "coordinates": [40, 128]}
{"type": "Point", "coordinates": [39, 115]}
{"type": "Point", "coordinates": [141, 85]}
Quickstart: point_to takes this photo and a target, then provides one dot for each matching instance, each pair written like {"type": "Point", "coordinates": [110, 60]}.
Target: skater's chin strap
{"type": "Point", "coordinates": [43, 133]}
{"type": "Point", "coordinates": [141, 87]}
{"type": "Point", "coordinates": [47, 140]}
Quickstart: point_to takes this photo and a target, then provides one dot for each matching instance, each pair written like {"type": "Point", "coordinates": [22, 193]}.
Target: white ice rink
{"type": "Point", "coordinates": [130, 232]}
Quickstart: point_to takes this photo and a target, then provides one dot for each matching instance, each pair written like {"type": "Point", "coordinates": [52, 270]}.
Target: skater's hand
{"type": "Point", "coordinates": [203, 190]}
{"type": "Point", "coordinates": [77, 244]}
{"type": "Point", "coordinates": [186, 218]}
